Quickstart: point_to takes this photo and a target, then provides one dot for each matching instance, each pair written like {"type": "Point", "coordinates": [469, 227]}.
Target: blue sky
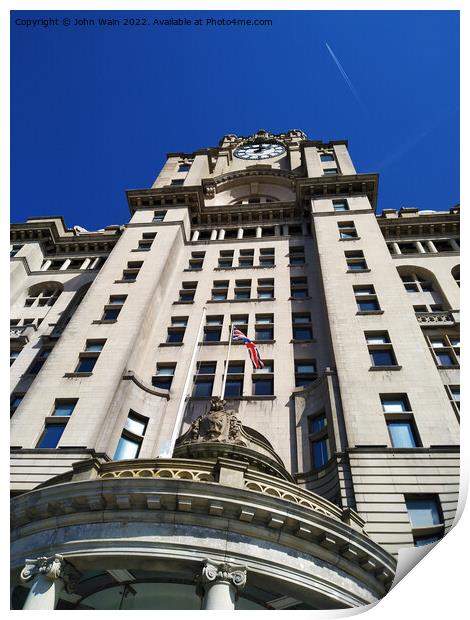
{"type": "Point", "coordinates": [95, 109]}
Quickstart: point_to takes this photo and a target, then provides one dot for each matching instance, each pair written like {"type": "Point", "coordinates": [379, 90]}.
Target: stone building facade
{"type": "Point", "coordinates": [135, 487]}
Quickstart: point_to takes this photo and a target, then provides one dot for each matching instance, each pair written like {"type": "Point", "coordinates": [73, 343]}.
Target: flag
{"type": "Point", "coordinates": [239, 336]}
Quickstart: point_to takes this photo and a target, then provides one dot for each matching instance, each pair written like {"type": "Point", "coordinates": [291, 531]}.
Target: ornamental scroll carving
{"type": "Point", "coordinates": [217, 425]}
{"type": "Point", "coordinates": [52, 568]}
{"type": "Point", "coordinates": [235, 574]}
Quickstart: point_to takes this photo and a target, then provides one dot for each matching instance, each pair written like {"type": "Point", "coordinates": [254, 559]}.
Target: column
{"type": "Point", "coordinates": [285, 230]}
{"type": "Point", "coordinates": [419, 247]}
{"type": "Point", "coordinates": [221, 583]}
{"type": "Point", "coordinates": [46, 265]}
{"type": "Point", "coordinates": [50, 575]}
{"type": "Point", "coordinates": [304, 228]}
{"type": "Point", "coordinates": [65, 264]}
{"type": "Point", "coordinates": [86, 263]}
{"type": "Point", "coordinates": [221, 234]}
{"type": "Point", "coordinates": [240, 233]}
{"type": "Point", "coordinates": [277, 230]}
{"type": "Point", "coordinates": [396, 247]}
{"type": "Point", "coordinates": [213, 234]}
{"type": "Point", "coordinates": [455, 245]}
{"type": "Point", "coordinates": [259, 232]}
{"type": "Point", "coordinates": [195, 235]}
{"type": "Point", "coordinates": [431, 247]}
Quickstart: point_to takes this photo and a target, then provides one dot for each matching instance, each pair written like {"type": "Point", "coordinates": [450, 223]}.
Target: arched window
{"type": "Point", "coordinates": [456, 274]}
{"type": "Point", "coordinates": [423, 288]}
{"type": "Point", "coordinates": [43, 294]}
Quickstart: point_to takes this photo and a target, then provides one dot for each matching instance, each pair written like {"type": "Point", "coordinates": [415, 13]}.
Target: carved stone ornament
{"type": "Point", "coordinates": [52, 568]}
{"type": "Point", "coordinates": [217, 425]}
{"type": "Point", "coordinates": [210, 190]}
{"type": "Point", "coordinates": [235, 574]}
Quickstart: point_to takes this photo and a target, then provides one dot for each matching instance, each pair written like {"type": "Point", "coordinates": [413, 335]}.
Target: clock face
{"type": "Point", "coordinates": [259, 150]}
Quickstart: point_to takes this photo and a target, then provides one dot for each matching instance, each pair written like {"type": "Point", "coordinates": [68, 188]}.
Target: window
{"type": "Point", "coordinates": [399, 419]}
{"type": "Point", "coordinates": [340, 205]}
{"type": "Point", "coordinates": [39, 360]}
{"type": "Point", "coordinates": [176, 331]}
{"type": "Point", "coordinates": [14, 249]}
{"type": "Point", "coordinates": [246, 257]}
{"type": "Point", "coordinates": [64, 407]}
{"type": "Point", "coordinates": [414, 283]}
{"type": "Point", "coordinates": [454, 395]}
{"type": "Point", "coordinates": [264, 327]}
{"type": "Point", "coordinates": [305, 371]}
{"type": "Point", "coordinates": [225, 259]}
{"type": "Point", "coordinates": [266, 258]}
{"type": "Point", "coordinates": [296, 255]}
{"type": "Point", "coordinates": [330, 171]}
{"type": "Point", "coordinates": [89, 357]}
{"type": "Point", "coordinates": [234, 384]}
{"type": "Point", "coordinates": [219, 290]}
{"type": "Point", "coordinates": [132, 271]}
{"type": "Point", "coordinates": [326, 157]}
{"type": "Point", "coordinates": [298, 288]}
{"type": "Point", "coordinates": [187, 291]}
{"type": "Point", "coordinates": [177, 182]}
{"type": "Point", "coordinates": [366, 299]}
{"type": "Point", "coordinates": [265, 288]}
{"type": "Point", "coordinates": [355, 260]}
{"type": "Point", "coordinates": [380, 349]}
{"type": "Point", "coordinates": [132, 437]}
{"type": "Point", "coordinates": [44, 296]}
{"type": "Point", "coordinates": [204, 379]}
{"type": "Point", "coordinates": [113, 307]}
{"type": "Point", "coordinates": [196, 261]}
{"type": "Point", "coordinates": [15, 401]}
{"type": "Point", "coordinates": [347, 230]}
{"type": "Point", "coordinates": [426, 519]}
{"type": "Point", "coordinates": [159, 216]}
{"type": "Point", "coordinates": [263, 387]}
{"type": "Point", "coordinates": [145, 242]}
{"type": "Point", "coordinates": [14, 353]}
{"type": "Point", "coordinates": [268, 367]}
{"type": "Point", "coordinates": [320, 452]}
{"type": "Point", "coordinates": [445, 349]}
{"type": "Point", "coordinates": [295, 229]}
{"type": "Point", "coordinates": [240, 321]}
{"type": "Point", "coordinates": [164, 376]}
{"type": "Point", "coordinates": [302, 326]}
{"type": "Point", "coordinates": [184, 167]}
{"type": "Point", "coordinates": [51, 435]}
{"type": "Point", "coordinates": [213, 328]}
{"type": "Point", "coordinates": [242, 289]}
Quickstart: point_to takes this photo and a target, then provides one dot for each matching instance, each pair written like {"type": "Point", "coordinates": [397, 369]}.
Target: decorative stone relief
{"type": "Point", "coordinates": [217, 425]}
{"type": "Point", "coordinates": [52, 568]}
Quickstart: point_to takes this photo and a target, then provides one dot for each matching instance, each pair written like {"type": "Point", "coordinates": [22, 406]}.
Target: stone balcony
{"type": "Point", "coordinates": [22, 333]}
{"type": "Point", "coordinates": [447, 318]}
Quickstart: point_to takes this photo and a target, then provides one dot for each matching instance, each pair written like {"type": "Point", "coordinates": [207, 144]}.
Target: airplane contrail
{"type": "Point", "coordinates": [346, 77]}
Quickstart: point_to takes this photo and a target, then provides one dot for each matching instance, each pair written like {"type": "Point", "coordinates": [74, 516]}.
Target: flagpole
{"type": "Point", "coordinates": [224, 380]}
{"type": "Point", "coordinates": [168, 452]}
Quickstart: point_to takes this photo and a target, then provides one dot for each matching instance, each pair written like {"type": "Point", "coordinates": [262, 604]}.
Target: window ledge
{"type": "Point", "coordinates": [299, 298]}
{"type": "Point", "coordinates": [358, 271]}
{"type": "Point", "coordinates": [292, 265]}
{"type": "Point", "coordinates": [449, 367]}
{"type": "Point", "coordinates": [252, 397]}
{"type": "Point", "coordinates": [57, 419]}
{"type": "Point", "coordinates": [77, 374]}
{"type": "Point", "coordinates": [171, 344]}
{"type": "Point", "coordinates": [141, 250]}
{"type": "Point", "coordinates": [351, 239]}
{"type": "Point", "coordinates": [306, 341]}
{"type": "Point", "coordinates": [104, 321]}
{"type": "Point", "coordinates": [124, 281]}
{"type": "Point", "coordinates": [237, 301]}
{"type": "Point", "coordinates": [244, 267]}
{"type": "Point", "coordinates": [234, 343]}
{"type": "Point", "coordinates": [195, 269]}
{"type": "Point", "coordinates": [377, 368]}
{"type": "Point", "coordinates": [175, 303]}
{"type": "Point", "coordinates": [363, 312]}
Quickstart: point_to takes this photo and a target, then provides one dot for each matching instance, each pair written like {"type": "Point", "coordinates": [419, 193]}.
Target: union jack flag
{"type": "Point", "coordinates": [239, 336]}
